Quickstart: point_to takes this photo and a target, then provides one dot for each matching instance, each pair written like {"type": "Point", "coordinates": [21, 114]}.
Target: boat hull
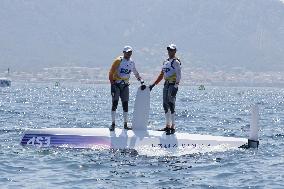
{"type": "Point", "coordinates": [121, 139]}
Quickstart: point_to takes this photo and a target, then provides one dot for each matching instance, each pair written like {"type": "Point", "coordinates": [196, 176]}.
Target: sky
{"type": "Point", "coordinates": [214, 35]}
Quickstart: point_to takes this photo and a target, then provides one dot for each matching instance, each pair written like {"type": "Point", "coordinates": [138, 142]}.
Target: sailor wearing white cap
{"type": "Point", "coordinates": [127, 49]}
{"type": "Point", "coordinates": [119, 75]}
{"type": "Point", "coordinates": [171, 72]}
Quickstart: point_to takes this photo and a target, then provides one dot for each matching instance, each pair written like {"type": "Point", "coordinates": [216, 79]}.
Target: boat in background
{"type": "Point", "coordinates": [201, 87]}
{"type": "Point", "coordinates": [5, 82]}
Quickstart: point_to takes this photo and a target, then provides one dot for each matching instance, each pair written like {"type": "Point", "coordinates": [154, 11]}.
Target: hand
{"type": "Point", "coordinates": [112, 89]}
{"type": "Point", "coordinates": [174, 91]}
{"type": "Point", "coordinates": [151, 87]}
{"type": "Point", "coordinates": [143, 87]}
{"type": "Point", "coordinates": [112, 82]}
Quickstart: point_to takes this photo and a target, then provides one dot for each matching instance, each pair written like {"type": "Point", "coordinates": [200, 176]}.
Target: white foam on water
{"type": "Point", "coordinates": [180, 151]}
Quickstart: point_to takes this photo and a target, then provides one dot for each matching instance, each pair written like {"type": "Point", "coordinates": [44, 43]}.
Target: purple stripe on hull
{"type": "Point", "coordinates": [46, 140]}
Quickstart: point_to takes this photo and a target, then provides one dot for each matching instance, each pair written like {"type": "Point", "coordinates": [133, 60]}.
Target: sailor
{"type": "Point", "coordinates": [119, 75]}
{"type": "Point", "coordinates": [171, 72]}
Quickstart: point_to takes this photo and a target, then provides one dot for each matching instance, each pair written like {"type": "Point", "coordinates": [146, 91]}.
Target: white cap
{"type": "Point", "coordinates": [127, 49]}
{"type": "Point", "coordinates": [172, 47]}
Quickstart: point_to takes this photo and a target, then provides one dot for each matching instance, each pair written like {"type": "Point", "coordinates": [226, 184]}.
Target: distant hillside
{"type": "Point", "coordinates": [214, 35]}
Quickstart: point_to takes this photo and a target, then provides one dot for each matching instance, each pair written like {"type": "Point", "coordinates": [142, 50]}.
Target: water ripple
{"type": "Point", "coordinates": [218, 111]}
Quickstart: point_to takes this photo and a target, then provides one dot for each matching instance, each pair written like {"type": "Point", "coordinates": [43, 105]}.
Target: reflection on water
{"type": "Point", "coordinates": [216, 111]}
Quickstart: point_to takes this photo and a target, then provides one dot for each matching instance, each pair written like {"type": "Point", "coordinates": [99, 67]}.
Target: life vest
{"type": "Point", "coordinates": [169, 69]}
{"type": "Point", "coordinates": [124, 69]}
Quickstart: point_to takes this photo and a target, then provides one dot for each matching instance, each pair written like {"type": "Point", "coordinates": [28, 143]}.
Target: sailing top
{"type": "Point", "coordinates": [171, 71]}
{"type": "Point", "coordinates": [121, 69]}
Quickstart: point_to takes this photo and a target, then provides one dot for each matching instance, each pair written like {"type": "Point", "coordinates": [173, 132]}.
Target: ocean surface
{"type": "Point", "coordinates": [223, 111]}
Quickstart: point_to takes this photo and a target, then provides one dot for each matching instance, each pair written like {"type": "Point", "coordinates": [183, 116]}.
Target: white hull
{"type": "Point", "coordinates": [121, 139]}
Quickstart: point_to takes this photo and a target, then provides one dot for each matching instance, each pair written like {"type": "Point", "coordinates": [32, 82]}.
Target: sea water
{"type": "Point", "coordinates": [222, 111]}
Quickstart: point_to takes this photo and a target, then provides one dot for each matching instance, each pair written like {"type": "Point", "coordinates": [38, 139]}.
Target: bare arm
{"type": "Point", "coordinates": [178, 71]}
{"type": "Point", "coordinates": [159, 78]}
{"type": "Point", "coordinates": [136, 72]}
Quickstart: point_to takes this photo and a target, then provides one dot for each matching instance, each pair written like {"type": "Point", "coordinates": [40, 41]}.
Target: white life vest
{"type": "Point", "coordinates": [125, 68]}
{"type": "Point", "coordinates": [169, 69]}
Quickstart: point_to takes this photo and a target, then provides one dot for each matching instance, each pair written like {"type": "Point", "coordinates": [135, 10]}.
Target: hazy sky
{"type": "Point", "coordinates": [217, 34]}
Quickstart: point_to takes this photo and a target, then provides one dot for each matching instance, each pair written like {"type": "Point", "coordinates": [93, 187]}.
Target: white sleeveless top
{"type": "Point", "coordinates": [172, 70]}
{"type": "Point", "coordinates": [125, 68]}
